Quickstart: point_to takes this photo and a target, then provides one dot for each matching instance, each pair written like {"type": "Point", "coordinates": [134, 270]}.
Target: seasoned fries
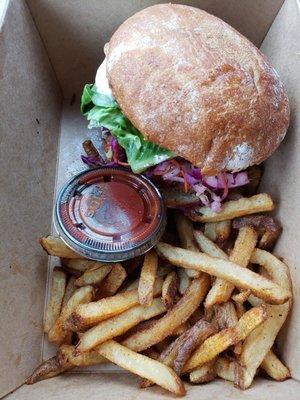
{"type": "Point", "coordinates": [234, 208]}
{"type": "Point", "coordinates": [225, 368]}
{"type": "Point", "coordinates": [89, 314]}
{"type": "Point", "coordinates": [147, 278]}
{"type": "Point", "coordinates": [70, 289]}
{"type": "Point", "coordinates": [80, 264]}
{"type": "Point", "coordinates": [66, 356]}
{"type": "Point", "coordinates": [177, 353]}
{"type": "Point", "coordinates": [47, 369]}
{"type": "Point", "coordinates": [142, 365]}
{"type": "Point", "coordinates": [241, 253]}
{"type": "Point", "coordinates": [65, 360]}
{"type": "Point", "coordinates": [239, 276]}
{"type": "Point", "coordinates": [191, 340]}
{"type": "Point", "coordinates": [225, 316]}
{"type": "Point", "coordinates": [185, 232]}
{"type": "Point", "coordinates": [118, 325]}
{"type": "Point", "coordinates": [184, 280]}
{"type": "Point", "coordinates": [58, 333]}
{"type": "Point", "coordinates": [219, 342]}
{"type": "Point", "coordinates": [218, 232]}
{"type": "Point", "coordinates": [208, 246]}
{"type": "Point", "coordinates": [54, 246]}
{"type": "Point", "coordinates": [169, 289]}
{"type": "Point", "coordinates": [175, 317]}
{"type": "Point", "coordinates": [94, 276]}
{"type": "Point", "coordinates": [267, 227]}
{"type": "Point", "coordinates": [206, 373]}
{"type": "Point", "coordinates": [261, 340]}
{"type": "Point", "coordinates": [112, 318]}
{"type": "Point", "coordinates": [113, 281]}
{"type": "Point", "coordinates": [275, 368]}
{"type": "Point", "coordinates": [59, 279]}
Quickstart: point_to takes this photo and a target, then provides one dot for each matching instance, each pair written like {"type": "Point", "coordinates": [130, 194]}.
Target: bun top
{"type": "Point", "coordinates": [194, 85]}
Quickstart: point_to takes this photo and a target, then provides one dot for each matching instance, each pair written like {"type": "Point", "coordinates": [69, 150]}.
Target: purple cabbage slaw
{"type": "Point", "coordinates": [211, 190]}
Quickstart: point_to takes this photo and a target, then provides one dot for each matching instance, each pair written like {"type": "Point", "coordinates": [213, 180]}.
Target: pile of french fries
{"type": "Point", "coordinates": [210, 307]}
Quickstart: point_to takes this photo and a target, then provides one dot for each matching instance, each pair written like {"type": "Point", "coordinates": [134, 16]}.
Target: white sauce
{"type": "Point", "coordinates": [101, 80]}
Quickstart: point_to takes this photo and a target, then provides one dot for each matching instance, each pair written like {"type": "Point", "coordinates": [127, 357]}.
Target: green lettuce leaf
{"type": "Point", "coordinates": [102, 110]}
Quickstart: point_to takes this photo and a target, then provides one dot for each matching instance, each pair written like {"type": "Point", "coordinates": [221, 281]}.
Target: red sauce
{"type": "Point", "coordinates": [111, 209]}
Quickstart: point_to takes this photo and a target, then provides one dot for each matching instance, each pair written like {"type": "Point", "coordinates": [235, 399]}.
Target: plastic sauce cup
{"type": "Point", "coordinates": [110, 214]}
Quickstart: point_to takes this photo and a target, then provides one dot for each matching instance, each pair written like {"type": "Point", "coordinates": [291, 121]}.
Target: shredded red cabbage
{"type": "Point", "coordinates": [211, 190]}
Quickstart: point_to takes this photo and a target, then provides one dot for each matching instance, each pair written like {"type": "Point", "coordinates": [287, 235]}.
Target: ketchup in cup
{"type": "Point", "coordinates": [110, 214]}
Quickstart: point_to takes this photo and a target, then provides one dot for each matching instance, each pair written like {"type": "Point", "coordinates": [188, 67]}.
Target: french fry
{"type": "Point", "coordinates": [47, 369]}
{"type": "Point", "coordinates": [226, 317]}
{"type": "Point", "coordinates": [219, 342]}
{"type": "Point", "coordinates": [137, 328]}
{"type": "Point", "coordinates": [242, 296]}
{"type": "Point", "coordinates": [66, 356]}
{"type": "Point", "coordinates": [206, 373]}
{"type": "Point", "coordinates": [225, 368]}
{"type": "Point", "coordinates": [181, 329]}
{"type": "Point", "coordinates": [169, 289]}
{"type": "Point", "coordinates": [240, 309]}
{"type": "Point", "coordinates": [238, 276]}
{"type": "Point", "coordinates": [82, 295]}
{"type": "Point", "coordinates": [185, 232]}
{"type": "Point", "coordinates": [80, 264]}
{"type": "Point", "coordinates": [260, 341]}
{"type": "Point", "coordinates": [268, 228]}
{"type": "Point", "coordinates": [59, 279]}
{"type": "Point", "coordinates": [167, 357]}
{"type": "Point", "coordinates": [147, 278]}
{"type": "Point", "coordinates": [118, 325]}
{"type": "Point", "coordinates": [179, 351]}
{"type": "Point", "coordinates": [218, 232]}
{"type": "Point", "coordinates": [275, 368]}
{"type": "Point", "coordinates": [234, 208]}
{"type": "Point", "coordinates": [113, 281]}
{"type": "Point", "coordinates": [208, 246]}
{"type": "Point", "coordinates": [70, 289]}
{"type": "Point", "coordinates": [241, 253]}
{"type": "Point", "coordinates": [142, 366]}
{"type": "Point", "coordinates": [94, 276]}
{"type": "Point", "coordinates": [65, 360]}
{"type": "Point", "coordinates": [92, 313]}
{"type": "Point", "coordinates": [184, 280]}
{"type": "Point", "coordinates": [196, 335]}
{"type": "Point", "coordinates": [180, 313]}
{"type": "Point", "coordinates": [54, 246]}
{"type": "Point", "coordinates": [223, 230]}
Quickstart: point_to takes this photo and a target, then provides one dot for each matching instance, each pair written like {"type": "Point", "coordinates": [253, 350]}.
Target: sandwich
{"type": "Point", "coordinates": [185, 99]}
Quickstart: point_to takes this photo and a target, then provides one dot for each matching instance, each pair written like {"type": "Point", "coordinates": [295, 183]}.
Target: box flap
{"type": "Point", "coordinates": [75, 32]}
{"type": "Point", "coordinates": [29, 126]}
{"type": "Point", "coordinates": [282, 46]}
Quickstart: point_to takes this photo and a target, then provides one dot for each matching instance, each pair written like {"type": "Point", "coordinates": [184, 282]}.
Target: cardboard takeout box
{"type": "Point", "coordinates": [48, 50]}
